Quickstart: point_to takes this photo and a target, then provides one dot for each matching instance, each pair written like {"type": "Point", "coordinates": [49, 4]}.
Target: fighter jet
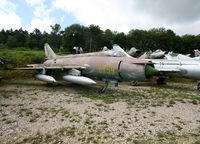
{"type": "Point", "coordinates": [175, 56]}
{"type": "Point", "coordinates": [85, 68]}
{"type": "Point", "coordinates": [153, 55]}
{"type": "Point", "coordinates": [134, 52]}
{"type": "Point", "coordinates": [178, 66]}
{"type": "Point", "coordinates": [49, 53]}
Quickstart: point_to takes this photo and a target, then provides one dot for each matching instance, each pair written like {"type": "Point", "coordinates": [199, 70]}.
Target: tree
{"type": "Point", "coordinates": [74, 35]}
{"type": "Point", "coordinates": [108, 38]}
{"type": "Point", "coordinates": [12, 41]}
{"type": "Point", "coordinates": [139, 39]}
{"type": "Point", "coordinates": [121, 39]}
{"type": "Point", "coordinates": [21, 36]}
{"type": "Point", "coordinates": [188, 43]}
{"type": "Point", "coordinates": [94, 38]}
{"type": "Point", "coordinates": [55, 36]}
{"type": "Point", "coordinates": [3, 37]}
{"type": "Point", "coordinates": [34, 40]}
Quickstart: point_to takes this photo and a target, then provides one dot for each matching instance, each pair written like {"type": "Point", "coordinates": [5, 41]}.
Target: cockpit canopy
{"type": "Point", "coordinates": [114, 53]}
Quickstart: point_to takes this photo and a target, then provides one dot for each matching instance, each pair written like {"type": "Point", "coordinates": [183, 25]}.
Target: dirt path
{"type": "Point", "coordinates": [31, 112]}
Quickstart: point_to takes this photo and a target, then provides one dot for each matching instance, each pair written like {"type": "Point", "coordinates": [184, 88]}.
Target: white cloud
{"type": "Point", "coordinates": [107, 14]}
{"type": "Point", "coordinates": [42, 19]}
{"type": "Point", "coordinates": [41, 24]}
{"type": "Point", "coordinates": [7, 6]}
{"type": "Point", "coordinates": [42, 11]}
{"type": "Point", "coordinates": [9, 20]}
{"type": "Point", "coordinates": [113, 14]}
{"type": "Point", "coordinates": [34, 2]}
{"type": "Point", "coordinates": [125, 15]}
{"type": "Point", "coordinates": [8, 17]}
{"type": "Point", "coordinates": [190, 28]}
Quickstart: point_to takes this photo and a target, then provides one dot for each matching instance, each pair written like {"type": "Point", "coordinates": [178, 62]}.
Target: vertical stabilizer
{"type": "Point", "coordinates": [49, 53]}
{"type": "Point", "coordinates": [118, 48]}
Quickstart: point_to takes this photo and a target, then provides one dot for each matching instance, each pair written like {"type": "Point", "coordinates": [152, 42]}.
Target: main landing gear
{"type": "Point", "coordinates": [103, 89]}
{"type": "Point", "coordinates": [161, 81]}
{"type": "Point", "coordinates": [198, 84]}
{"type": "Point", "coordinates": [133, 83]}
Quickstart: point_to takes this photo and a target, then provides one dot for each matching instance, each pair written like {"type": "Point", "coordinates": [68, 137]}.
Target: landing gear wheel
{"type": "Point", "coordinates": [133, 83]}
{"type": "Point", "coordinates": [49, 84]}
{"type": "Point", "coordinates": [198, 86]}
{"type": "Point", "coordinates": [160, 81]}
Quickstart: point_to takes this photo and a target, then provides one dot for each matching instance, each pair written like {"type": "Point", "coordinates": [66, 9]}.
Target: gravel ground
{"type": "Point", "coordinates": [31, 112]}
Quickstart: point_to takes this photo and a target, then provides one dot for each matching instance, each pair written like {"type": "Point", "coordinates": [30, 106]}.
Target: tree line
{"type": "Point", "coordinates": [92, 38]}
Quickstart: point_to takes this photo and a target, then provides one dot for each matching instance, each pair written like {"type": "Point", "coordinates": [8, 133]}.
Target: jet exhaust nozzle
{"type": "Point", "coordinates": [79, 80]}
{"type": "Point", "coordinates": [45, 78]}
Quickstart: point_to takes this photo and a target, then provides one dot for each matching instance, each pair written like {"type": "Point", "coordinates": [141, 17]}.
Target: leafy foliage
{"type": "Point", "coordinates": [92, 38]}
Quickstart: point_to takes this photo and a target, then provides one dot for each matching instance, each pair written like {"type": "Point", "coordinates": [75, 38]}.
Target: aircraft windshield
{"type": "Point", "coordinates": [114, 53]}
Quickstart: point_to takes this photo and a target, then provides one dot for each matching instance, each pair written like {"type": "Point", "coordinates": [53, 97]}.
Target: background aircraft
{"type": "Point", "coordinates": [179, 66]}
{"type": "Point", "coordinates": [153, 55]}
{"type": "Point", "coordinates": [134, 52]}
{"type": "Point", "coordinates": [83, 68]}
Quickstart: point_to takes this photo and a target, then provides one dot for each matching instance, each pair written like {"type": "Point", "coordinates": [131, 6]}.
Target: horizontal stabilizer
{"type": "Point", "coordinates": [168, 70]}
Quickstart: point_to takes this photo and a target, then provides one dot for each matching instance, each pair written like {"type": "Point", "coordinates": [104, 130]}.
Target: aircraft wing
{"type": "Point", "coordinates": [41, 67]}
{"type": "Point", "coordinates": [168, 70]}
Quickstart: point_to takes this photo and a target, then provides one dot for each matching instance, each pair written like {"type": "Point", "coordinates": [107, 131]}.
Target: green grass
{"type": "Point", "coordinates": [29, 112]}
{"type": "Point", "coordinates": [142, 98]}
{"type": "Point", "coordinates": [8, 94]}
{"type": "Point", "coordinates": [20, 58]}
{"type": "Point", "coordinates": [8, 121]}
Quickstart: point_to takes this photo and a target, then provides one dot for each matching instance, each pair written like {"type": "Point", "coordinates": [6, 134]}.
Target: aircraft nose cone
{"type": "Point", "coordinates": [150, 71]}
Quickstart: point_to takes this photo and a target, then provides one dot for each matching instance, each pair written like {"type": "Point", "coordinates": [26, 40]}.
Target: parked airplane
{"type": "Point", "coordinates": [174, 56]}
{"type": "Point", "coordinates": [107, 66]}
{"type": "Point", "coordinates": [153, 55]}
{"type": "Point", "coordinates": [179, 66]}
{"type": "Point", "coordinates": [134, 52]}
{"type": "Point", "coordinates": [116, 53]}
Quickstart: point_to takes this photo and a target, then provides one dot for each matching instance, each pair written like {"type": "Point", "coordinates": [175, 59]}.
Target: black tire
{"type": "Point", "coordinates": [198, 86]}
{"type": "Point", "coordinates": [161, 81]}
{"type": "Point", "coordinates": [133, 83]}
{"type": "Point", "coordinates": [49, 84]}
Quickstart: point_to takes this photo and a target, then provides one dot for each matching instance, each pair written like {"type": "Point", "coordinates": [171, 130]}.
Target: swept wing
{"type": "Point", "coordinates": [41, 67]}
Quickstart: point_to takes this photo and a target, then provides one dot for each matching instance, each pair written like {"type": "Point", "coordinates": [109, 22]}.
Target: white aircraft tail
{"type": "Point", "coordinates": [49, 53]}
{"type": "Point", "coordinates": [118, 48]}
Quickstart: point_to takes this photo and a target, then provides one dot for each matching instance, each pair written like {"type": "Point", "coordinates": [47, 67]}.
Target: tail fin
{"type": "Point", "coordinates": [196, 53]}
{"type": "Point", "coordinates": [49, 52]}
{"type": "Point", "coordinates": [118, 48]}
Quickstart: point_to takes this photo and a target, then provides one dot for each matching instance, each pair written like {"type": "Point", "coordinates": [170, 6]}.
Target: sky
{"type": "Point", "coordinates": [181, 16]}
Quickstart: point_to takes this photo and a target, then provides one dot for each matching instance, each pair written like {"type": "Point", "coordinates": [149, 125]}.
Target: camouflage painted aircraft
{"type": "Point", "coordinates": [107, 66]}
